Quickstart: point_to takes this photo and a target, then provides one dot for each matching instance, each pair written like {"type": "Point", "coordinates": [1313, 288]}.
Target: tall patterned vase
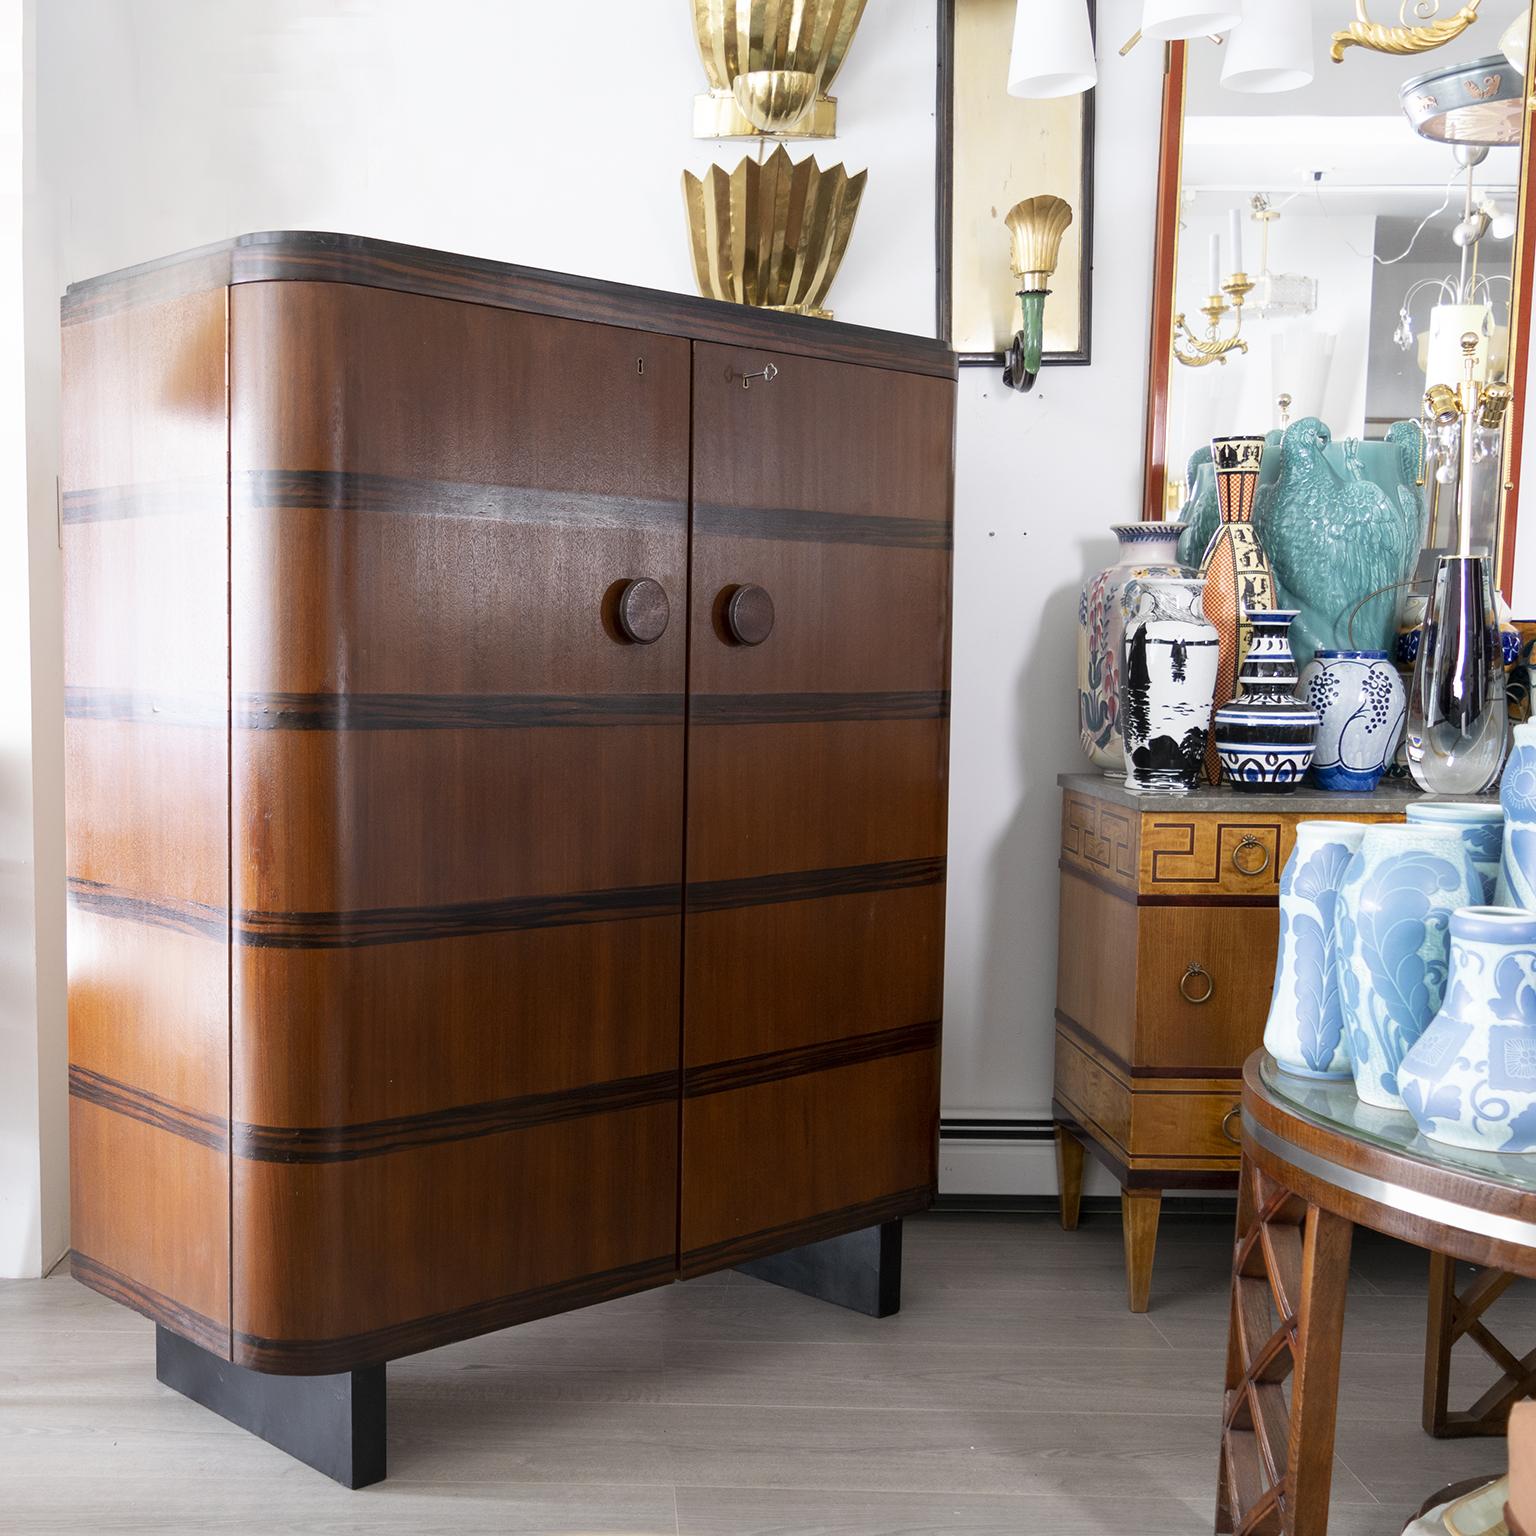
{"type": "Point", "coordinates": [1305, 1031]}
{"type": "Point", "coordinates": [1517, 797]}
{"type": "Point", "coordinates": [1146, 549]}
{"type": "Point", "coordinates": [1238, 579]}
{"type": "Point", "coordinates": [1360, 702]}
{"type": "Point", "coordinates": [1170, 672]}
{"type": "Point", "coordinates": [1471, 1079]}
{"type": "Point", "coordinates": [1479, 824]}
{"type": "Point", "coordinates": [1266, 736]}
{"type": "Point", "coordinates": [1394, 945]}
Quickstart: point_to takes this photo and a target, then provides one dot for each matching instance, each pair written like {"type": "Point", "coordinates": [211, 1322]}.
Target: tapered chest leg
{"type": "Point", "coordinates": [859, 1270]}
{"type": "Point", "coordinates": [335, 1424]}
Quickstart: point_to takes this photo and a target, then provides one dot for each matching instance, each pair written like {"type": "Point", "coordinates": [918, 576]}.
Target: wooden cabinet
{"type": "Point", "coordinates": [1165, 964]}
{"type": "Point", "coordinates": [507, 764]}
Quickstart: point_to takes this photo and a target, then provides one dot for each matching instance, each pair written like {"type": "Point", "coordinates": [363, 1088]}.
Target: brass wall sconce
{"type": "Point", "coordinates": [769, 64]}
{"type": "Point", "coordinates": [771, 234]}
{"type": "Point", "coordinates": [1035, 227]}
{"type": "Point", "coordinates": [1199, 352]}
{"type": "Point", "coordinates": [1407, 37]}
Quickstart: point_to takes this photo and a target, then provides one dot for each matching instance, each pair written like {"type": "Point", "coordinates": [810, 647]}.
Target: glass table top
{"type": "Point", "coordinates": [1335, 1105]}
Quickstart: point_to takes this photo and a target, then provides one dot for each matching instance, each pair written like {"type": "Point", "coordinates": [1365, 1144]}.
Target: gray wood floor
{"type": "Point", "coordinates": [1014, 1393]}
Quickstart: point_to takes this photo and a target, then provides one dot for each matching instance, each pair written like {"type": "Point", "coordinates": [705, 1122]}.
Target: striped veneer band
{"type": "Point", "coordinates": [163, 1309]}
{"type": "Point", "coordinates": [139, 1104]}
{"type": "Point", "coordinates": [771, 1066]}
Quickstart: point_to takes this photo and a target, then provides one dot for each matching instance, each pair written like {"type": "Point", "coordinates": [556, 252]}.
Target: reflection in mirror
{"type": "Point", "coordinates": [1373, 247]}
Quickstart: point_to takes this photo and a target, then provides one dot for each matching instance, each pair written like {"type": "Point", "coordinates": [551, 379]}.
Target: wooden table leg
{"type": "Point", "coordinates": [1069, 1176]}
{"type": "Point", "coordinates": [1139, 1209]}
{"type": "Point", "coordinates": [1290, 1279]}
{"type": "Point", "coordinates": [1454, 1316]}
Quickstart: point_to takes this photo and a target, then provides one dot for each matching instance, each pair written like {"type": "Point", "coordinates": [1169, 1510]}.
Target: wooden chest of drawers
{"type": "Point", "coordinates": [1165, 962]}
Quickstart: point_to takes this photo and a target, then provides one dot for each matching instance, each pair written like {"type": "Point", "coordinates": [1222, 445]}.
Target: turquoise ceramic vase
{"type": "Point", "coordinates": [1470, 1081]}
{"type": "Point", "coordinates": [1394, 944]}
{"type": "Point", "coordinates": [1479, 824]}
{"type": "Point", "coordinates": [1305, 1029]}
{"type": "Point", "coordinates": [1517, 796]}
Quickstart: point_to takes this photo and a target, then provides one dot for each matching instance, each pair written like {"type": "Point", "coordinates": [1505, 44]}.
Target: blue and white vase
{"type": "Point", "coordinates": [1517, 796]}
{"type": "Point", "coordinates": [1266, 736]}
{"type": "Point", "coordinates": [1480, 825]}
{"type": "Point", "coordinates": [1394, 917]}
{"type": "Point", "coordinates": [1361, 706]}
{"type": "Point", "coordinates": [1471, 1079]}
{"type": "Point", "coordinates": [1305, 1031]}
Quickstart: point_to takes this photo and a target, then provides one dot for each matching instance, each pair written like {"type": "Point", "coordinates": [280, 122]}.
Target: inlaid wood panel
{"type": "Point", "coordinates": [144, 528]}
{"type": "Point", "coordinates": [802, 972]}
{"type": "Point", "coordinates": [1100, 840]}
{"type": "Point", "coordinates": [1096, 938]}
{"type": "Point", "coordinates": [449, 1239]}
{"type": "Point", "coordinates": [816, 803]}
{"type": "Point", "coordinates": [460, 1020]}
{"type": "Point", "coordinates": [850, 1147]}
{"type": "Point", "coordinates": [458, 816]}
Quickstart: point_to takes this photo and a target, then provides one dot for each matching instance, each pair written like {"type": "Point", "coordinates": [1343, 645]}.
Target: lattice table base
{"type": "Point", "coordinates": [1289, 1280]}
{"type": "Point", "coordinates": [1454, 1316]}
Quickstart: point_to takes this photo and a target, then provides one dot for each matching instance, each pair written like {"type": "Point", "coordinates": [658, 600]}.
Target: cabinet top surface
{"type": "Point", "coordinates": [1390, 798]}
{"type": "Point", "coordinates": [314, 256]}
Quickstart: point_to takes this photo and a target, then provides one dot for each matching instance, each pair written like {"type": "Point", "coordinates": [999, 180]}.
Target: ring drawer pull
{"type": "Point", "coordinates": [1248, 840]}
{"type": "Point", "coordinates": [1196, 969]}
{"type": "Point", "coordinates": [1235, 1113]}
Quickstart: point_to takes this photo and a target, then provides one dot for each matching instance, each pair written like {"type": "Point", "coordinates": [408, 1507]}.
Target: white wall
{"type": "Point", "coordinates": [33, 1154]}
{"type": "Point", "coordinates": [543, 136]}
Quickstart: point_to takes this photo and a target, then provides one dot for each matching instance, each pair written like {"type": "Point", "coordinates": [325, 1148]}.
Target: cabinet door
{"type": "Point", "coordinates": [816, 800]}
{"type": "Point", "coordinates": [457, 816]}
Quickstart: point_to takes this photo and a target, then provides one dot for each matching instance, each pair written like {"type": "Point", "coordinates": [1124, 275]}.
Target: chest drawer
{"type": "Point", "coordinates": [1203, 981]}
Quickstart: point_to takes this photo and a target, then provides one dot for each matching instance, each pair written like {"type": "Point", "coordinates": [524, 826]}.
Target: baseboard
{"type": "Point", "coordinates": [997, 1157]}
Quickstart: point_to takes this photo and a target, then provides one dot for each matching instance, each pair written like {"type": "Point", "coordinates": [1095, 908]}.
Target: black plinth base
{"type": "Point", "coordinates": [334, 1424]}
{"type": "Point", "coordinates": [860, 1270]}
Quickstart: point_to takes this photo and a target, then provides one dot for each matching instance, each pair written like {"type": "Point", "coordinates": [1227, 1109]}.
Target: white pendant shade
{"type": "Point", "coordinates": [1270, 49]}
{"type": "Point", "coordinates": [1052, 49]}
{"type": "Point", "coordinates": [1166, 20]}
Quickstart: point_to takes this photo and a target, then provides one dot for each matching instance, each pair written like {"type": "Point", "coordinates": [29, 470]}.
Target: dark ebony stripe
{"type": "Point", "coordinates": [165, 498]}
{"type": "Point", "coordinates": [157, 912]}
{"type": "Point", "coordinates": [770, 1066]}
{"type": "Point", "coordinates": [406, 925]}
{"type": "Point", "coordinates": [451, 712]}
{"type": "Point", "coordinates": [326, 1356]}
{"type": "Point", "coordinates": [812, 884]}
{"type": "Point", "coordinates": [154, 1304]}
{"type": "Point", "coordinates": [799, 708]}
{"type": "Point", "coordinates": [401, 1133]}
{"type": "Point", "coordinates": [144, 708]}
{"type": "Point", "coordinates": [150, 1108]}
{"type": "Point", "coordinates": [398, 495]}
{"type": "Point", "coordinates": [851, 1218]}
{"type": "Point", "coordinates": [803, 525]}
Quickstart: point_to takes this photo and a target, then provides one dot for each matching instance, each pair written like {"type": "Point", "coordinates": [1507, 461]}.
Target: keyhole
{"type": "Point", "coordinates": [639, 365]}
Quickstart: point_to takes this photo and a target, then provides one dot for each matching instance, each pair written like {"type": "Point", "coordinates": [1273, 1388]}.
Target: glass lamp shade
{"type": "Point", "coordinates": [1052, 49]}
{"type": "Point", "coordinates": [1168, 20]}
{"type": "Point", "coordinates": [1270, 49]}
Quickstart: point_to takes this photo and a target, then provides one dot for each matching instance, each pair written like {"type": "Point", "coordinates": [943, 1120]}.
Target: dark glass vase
{"type": "Point", "coordinates": [1266, 736]}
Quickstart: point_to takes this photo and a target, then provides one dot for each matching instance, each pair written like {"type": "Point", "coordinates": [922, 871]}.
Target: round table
{"type": "Point", "coordinates": [1316, 1162]}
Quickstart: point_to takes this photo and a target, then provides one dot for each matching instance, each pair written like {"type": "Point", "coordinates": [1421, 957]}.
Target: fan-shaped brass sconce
{"type": "Point", "coordinates": [769, 64]}
{"type": "Point", "coordinates": [1035, 226]}
{"type": "Point", "coordinates": [771, 234]}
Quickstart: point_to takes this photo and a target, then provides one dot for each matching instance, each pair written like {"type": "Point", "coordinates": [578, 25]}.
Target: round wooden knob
{"type": "Point", "coordinates": [749, 615]}
{"type": "Point", "coordinates": [643, 611]}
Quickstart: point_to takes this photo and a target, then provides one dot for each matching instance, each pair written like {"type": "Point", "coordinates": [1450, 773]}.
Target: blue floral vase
{"type": "Point", "coordinates": [1480, 825]}
{"type": "Point", "coordinates": [1471, 1079]}
{"type": "Point", "coordinates": [1517, 796]}
{"type": "Point", "coordinates": [1305, 1031]}
{"type": "Point", "coordinates": [1394, 918]}
{"type": "Point", "coordinates": [1361, 706]}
